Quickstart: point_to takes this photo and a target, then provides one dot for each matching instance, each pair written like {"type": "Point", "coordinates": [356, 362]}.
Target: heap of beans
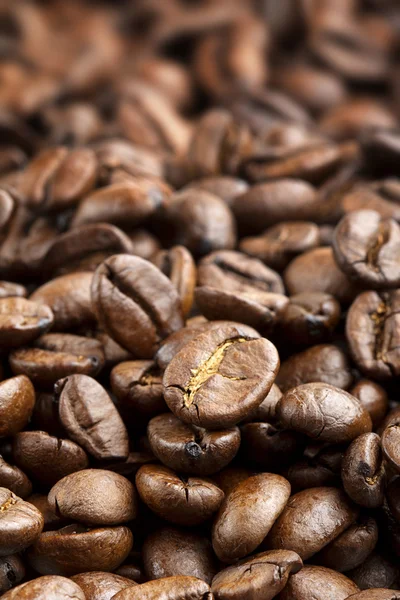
{"type": "Point", "coordinates": [200, 300]}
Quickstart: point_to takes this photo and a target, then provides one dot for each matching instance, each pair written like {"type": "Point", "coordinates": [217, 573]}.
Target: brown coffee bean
{"type": "Point", "coordinates": [218, 365]}
{"type": "Point", "coordinates": [372, 333]}
{"type": "Point", "coordinates": [94, 497]}
{"type": "Point", "coordinates": [350, 119]}
{"type": "Point", "coordinates": [178, 265]}
{"type": "Point", "coordinates": [350, 548]}
{"type": "Point", "coordinates": [68, 297]}
{"type": "Point", "coordinates": [373, 397]}
{"type": "Point", "coordinates": [138, 386]}
{"type": "Point", "coordinates": [12, 571]}
{"type": "Point", "coordinates": [269, 447]}
{"type": "Point", "coordinates": [90, 418]}
{"type": "Point", "coordinates": [20, 523]}
{"type": "Point", "coordinates": [263, 575]}
{"type": "Point", "coordinates": [51, 520]}
{"type": "Point", "coordinates": [176, 588]}
{"type": "Point", "coordinates": [170, 551]}
{"type": "Point", "coordinates": [76, 549]}
{"type": "Point", "coordinates": [247, 514]}
{"type": "Point", "coordinates": [375, 572]}
{"type": "Point", "coordinates": [180, 500]}
{"type": "Point", "coordinates": [15, 480]}
{"type": "Point", "coordinates": [380, 150]}
{"type": "Point", "coordinates": [191, 449]}
{"type": "Point", "coordinates": [56, 355]}
{"type": "Point", "coordinates": [323, 363]}
{"type": "Point", "coordinates": [46, 458]}
{"type": "Point", "coordinates": [376, 594]}
{"type": "Point", "coordinates": [266, 411]}
{"type": "Point", "coordinates": [318, 583]}
{"type": "Point", "coordinates": [113, 352]}
{"type": "Point", "coordinates": [17, 399]}
{"type": "Point", "coordinates": [223, 186]}
{"type": "Point", "coordinates": [50, 586]}
{"type": "Point", "coordinates": [319, 467]}
{"type": "Point", "coordinates": [21, 321]}
{"type": "Point", "coordinates": [381, 196]}
{"type": "Point", "coordinates": [230, 477]}
{"type": "Point", "coordinates": [312, 519]}
{"type": "Point", "coordinates": [363, 471]}
{"type": "Point", "coordinates": [98, 585]}
{"type": "Point", "coordinates": [9, 289]}
{"type": "Point", "coordinates": [323, 412]}
{"type": "Point", "coordinates": [144, 244]}
{"type": "Point", "coordinates": [390, 441]}
{"type": "Point", "coordinates": [135, 303]}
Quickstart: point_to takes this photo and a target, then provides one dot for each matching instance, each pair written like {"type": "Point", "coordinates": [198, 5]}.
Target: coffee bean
{"type": "Point", "coordinates": [177, 588]}
{"type": "Point", "coordinates": [247, 514]}
{"type": "Point", "coordinates": [375, 572]}
{"type": "Point", "coordinates": [191, 449]}
{"type": "Point", "coordinates": [373, 397]}
{"type": "Point", "coordinates": [390, 440]}
{"type": "Point", "coordinates": [180, 500]}
{"type": "Point", "coordinates": [377, 594]}
{"type": "Point", "coordinates": [135, 303]}
{"type": "Point", "coordinates": [319, 467]}
{"type": "Point", "coordinates": [270, 447]}
{"type": "Point", "coordinates": [223, 186]}
{"type": "Point", "coordinates": [178, 265]}
{"type": "Point", "coordinates": [20, 523]}
{"type": "Point", "coordinates": [90, 418]}
{"type": "Point", "coordinates": [50, 586]}
{"type": "Point", "coordinates": [380, 150]}
{"type": "Point", "coordinates": [51, 519]}
{"type": "Point", "coordinates": [21, 321]}
{"type": "Point", "coordinates": [266, 411]}
{"type": "Point", "coordinates": [318, 583]}
{"type": "Point", "coordinates": [17, 399]}
{"type": "Point", "coordinates": [138, 386]}
{"type": "Point", "coordinates": [12, 571]}
{"type": "Point", "coordinates": [98, 585]}
{"type": "Point", "coordinates": [363, 471]}
{"type": "Point", "coordinates": [200, 380]}
{"type": "Point", "coordinates": [312, 519]}
{"type": "Point", "coordinates": [15, 480]}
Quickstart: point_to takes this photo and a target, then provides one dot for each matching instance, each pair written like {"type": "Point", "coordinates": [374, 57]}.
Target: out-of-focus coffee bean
{"type": "Point", "coordinates": [375, 572]}
{"type": "Point", "coordinates": [373, 397]}
{"type": "Point", "coordinates": [316, 583]}
{"type": "Point", "coordinates": [12, 571]}
{"type": "Point", "coordinates": [17, 399]}
{"type": "Point", "coordinates": [178, 265]}
{"type": "Point", "coordinates": [52, 586]}
{"type": "Point", "coordinates": [138, 386]}
{"type": "Point", "coordinates": [15, 480]}
{"type": "Point", "coordinates": [309, 318]}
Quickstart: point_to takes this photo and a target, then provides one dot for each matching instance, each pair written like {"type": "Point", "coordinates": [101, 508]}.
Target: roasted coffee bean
{"type": "Point", "coordinates": [372, 333]}
{"type": "Point", "coordinates": [21, 321]}
{"type": "Point", "coordinates": [309, 318]}
{"type": "Point", "coordinates": [51, 520]}
{"type": "Point", "coordinates": [178, 265]}
{"type": "Point", "coordinates": [17, 399]}
{"type": "Point", "coordinates": [323, 363]}
{"type": "Point", "coordinates": [98, 585]}
{"type": "Point", "coordinates": [76, 549]}
{"type": "Point", "coordinates": [279, 244]}
{"type": "Point", "coordinates": [377, 594]}
{"type": "Point", "coordinates": [312, 519]}
{"type": "Point", "coordinates": [318, 583]}
{"type": "Point", "coordinates": [15, 480]}
{"type": "Point", "coordinates": [266, 411]}
{"type": "Point", "coordinates": [380, 150]}
{"type": "Point", "coordinates": [223, 186]}
{"type": "Point", "coordinates": [50, 586]}
{"type": "Point", "coordinates": [135, 303]}
{"type": "Point", "coordinates": [170, 551]}
{"type": "Point", "coordinates": [319, 467]}
{"type": "Point", "coordinates": [180, 500]}
{"type": "Point", "coordinates": [138, 386]}
{"type": "Point", "coordinates": [375, 572]}
{"type": "Point", "coordinates": [363, 471]}
{"type": "Point", "coordinates": [191, 449]}
{"type": "Point", "coordinates": [12, 571]}
{"type": "Point", "coordinates": [390, 441]}
{"type": "Point", "coordinates": [90, 418]}
{"type": "Point", "coordinates": [218, 365]}
{"type": "Point", "coordinates": [373, 397]}
{"type": "Point", "coordinates": [20, 523]}
{"type": "Point", "coordinates": [144, 244]}
{"type": "Point", "coordinates": [351, 548]}
{"type": "Point", "coordinates": [367, 248]}
{"type": "Point", "coordinates": [178, 588]}
{"type": "Point", "coordinates": [269, 447]}
{"type": "Point", "coordinates": [56, 355]}
{"type": "Point", "coordinates": [9, 289]}
{"type": "Point", "coordinates": [352, 118]}
{"type": "Point", "coordinates": [230, 477]}
{"type": "Point", "coordinates": [46, 458]}
{"type": "Point", "coordinates": [247, 514]}
{"type": "Point", "coordinates": [323, 412]}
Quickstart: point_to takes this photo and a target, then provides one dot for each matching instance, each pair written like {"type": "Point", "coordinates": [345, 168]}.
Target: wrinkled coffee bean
{"type": "Point", "coordinates": [138, 387]}
{"type": "Point", "coordinates": [178, 265]}
{"type": "Point", "coordinates": [20, 523]}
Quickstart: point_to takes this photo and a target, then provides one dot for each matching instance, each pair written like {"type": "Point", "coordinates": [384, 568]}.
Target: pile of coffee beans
{"type": "Point", "coordinates": [200, 299]}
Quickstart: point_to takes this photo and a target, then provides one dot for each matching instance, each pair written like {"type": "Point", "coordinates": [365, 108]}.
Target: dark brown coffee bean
{"type": "Point", "coordinates": [15, 480]}
{"type": "Point", "coordinates": [9, 289]}
{"type": "Point", "coordinates": [98, 585]}
{"type": "Point", "coordinates": [180, 500]}
{"type": "Point", "coordinates": [191, 449]}
{"type": "Point", "coordinates": [46, 458]}
{"type": "Point", "coordinates": [319, 467]}
{"type": "Point", "coordinates": [21, 321]}
{"type": "Point", "coordinates": [223, 186]}
{"type": "Point", "coordinates": [318, 583]}
{"type": "Point", "coordinates": [20, 523]}
{"type": "Point", "coordinates": [367, 248]}
{"type": "Point", "coordinates": [323, 412]}
{"type": "Point", "coordinates": [350, 548]}
{"type": "Point", "coordinates": [176, 588]}
{"type": "Point", "coordinates": [76, 549]}
{"type": "Point", "coordinates": [170, 551]}
{"type": "Point", "coordinates": [94, 497]}
{"type": "Point", "coordinates": [266, 411]}
{"type": "Point", "coordinates": [311, 520]}
{"type": "Point", "coordinates": [263, 576]}
{"type": "Point", "coordinates": [375, 572]}
{"type": "Point", "coordinates": [247, 514]}
{"type": "Point", "coordinates": [90, 418]}
{"type": "Point", "coordinates": [51, 586]}
{"type": "Point", "coordinates": [381, 196]}
{"type": "Point", "coordinates": [138, 386]}
{"type": "Point", "coordinates": [12, 571]}
{"type": "Point", "coordinates": [69, 299]}
{"type": "Point", "coordinates": [316, 271]}
{"type": "Point", "coordinates": [270, 203]}
{"type": "Point", "coordinates": [17, 399]}
{"type": "Point", "coordinates": [113, 352]}
{"type": "Point", "coordinates": [393, 497]}
{"type": "Point", "coordinates": [56, 355]}
{"type": "Point", "coordinates": [309, 318]}
{"type": "Point", "coordinates": [372, 333]}
{"type": "Point", "coordinates": [51, 520]}
{"type": "Point", "coordinates": [131, 571]}
{"type": "Point", "coordinates": [363, 471]}
{"type": "Point", "coordinates": [323, 363]}
{"type": "Point", "coordinates": [178, 265]}
{"type": "Point", "coordinates": [377, 594]}
{"type": "Point", "coordinates": [269, 447]}
{"type": "Point", "coordinates": [218, 365]}
{"type": "Point", "coordinates": [390, 444]}
{"type": "Point", "coordinates": [380, 150]}
{"type": "Point", "coordinates": [135, 303]}
{"type": "Point", "coordinates": [350, 119]}
{"type": "Point", "coordinates": [230, 477]}
{"type": "Point", "coordinates": [373, 397]}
